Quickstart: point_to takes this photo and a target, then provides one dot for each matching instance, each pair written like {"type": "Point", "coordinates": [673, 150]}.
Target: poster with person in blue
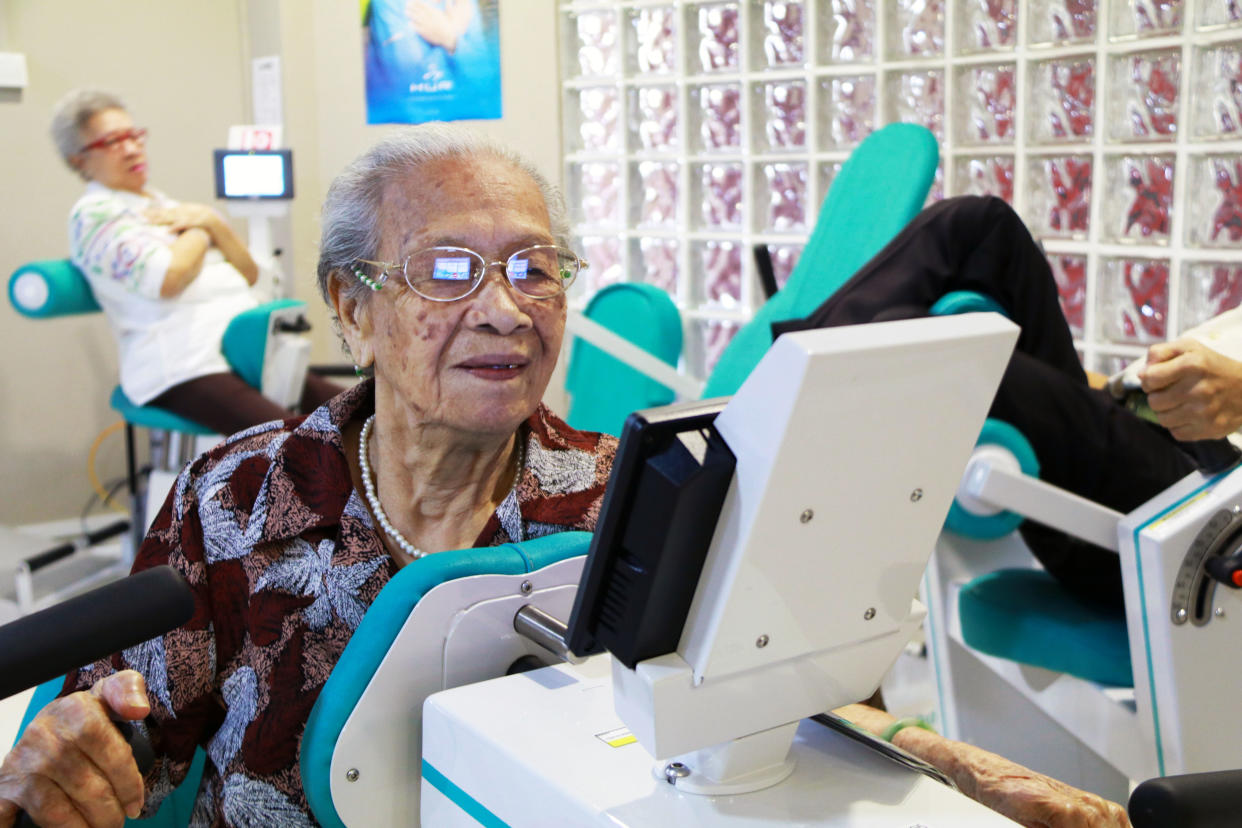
{"type": "Point", "coordinates": [431, 60]}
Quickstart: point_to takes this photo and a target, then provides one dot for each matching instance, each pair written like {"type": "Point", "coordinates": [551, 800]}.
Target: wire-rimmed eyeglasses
{"type": "Point", "coordinates": [444, 274]}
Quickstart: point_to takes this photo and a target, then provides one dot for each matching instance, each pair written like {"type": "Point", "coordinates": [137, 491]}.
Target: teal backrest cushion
{"type": "Point", "coordinates": [603, 390]}
{"type": "Point", "coordinates": [882, 185]}
{"type": "Point", "coordinates": [50, 287]}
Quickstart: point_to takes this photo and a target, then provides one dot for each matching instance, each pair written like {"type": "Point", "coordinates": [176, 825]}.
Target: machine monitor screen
{"type": "Point", "coordinates": [254, 174]}
{"type": "Point", "coordinates": [668, 483]}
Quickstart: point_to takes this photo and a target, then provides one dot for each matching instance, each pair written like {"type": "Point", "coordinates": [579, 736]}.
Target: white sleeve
{"type": "Point", "coordinates": [110, 243]}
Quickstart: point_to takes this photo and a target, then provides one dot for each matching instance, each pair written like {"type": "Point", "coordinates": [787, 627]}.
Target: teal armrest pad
{"type": "Point", "coordinates": [245, 339]}
{"type": "Point", "coordinates": [1024, 615]}
{"type": "Point", "coordinates": [51, 287]}
{"type": "Point", "coordinates": [383, 620]}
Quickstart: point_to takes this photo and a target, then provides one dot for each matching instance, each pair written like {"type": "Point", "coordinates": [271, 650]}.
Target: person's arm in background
{"type": "Point", "coordinates": [1017, 792]}
{"type": "Point", "coordinates": [440, 26]}
{"type": "Point", "coordinates": [1195, 391]}
{"type": "Point", "coordinates": [186, 217]}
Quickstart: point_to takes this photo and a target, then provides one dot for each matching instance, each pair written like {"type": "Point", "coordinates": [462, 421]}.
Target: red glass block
{"type": "Point", "coordinates": [784, 122]}
{"type": "Point", "coordinates": [600, 128]}
{"type": "Point", "coordinates": [721, 114]}
{"type": "Point", "coordinates": [1157, 15]}
{"type": "Point", "coordinates": [1150, 181]}
{"type": "Point", "coordinates": [1070, 273]}
{"type": "Point", "coordinates": [1072, 19]}
{"type": "Point", "coordinates": [1209, 289]}
{"type": "Point", "coordinates": [1227, 217]}
{"type": "Point", "coordinates": [715, 335]}
{"type": "Point", "coordinates": [784, 259]}
{"type": "Point", "coordinates": [1134, 301]}
{"type": "Point", "coordinates": [598, 52]}
{"type": "Point", "coordinates": [920, 100]}
{"type": "Point", "coordinates": [658, 183]}
{"type": "Point", "coordinates": [1226, 81]}
{"type": "Point", "coordinates": [853, 109]}
{"type": "Point", "coordinates": [1073, 87]}
{"type": "Point", "coordinates": [1069, 181]}
{"type": "Point", "coordinates": [920, 26]}
{"type": "Point", "coordinates": [603, 255]}
{"type": "Point", "coordinates": [722, 195]}
{"type": "Point", "coordinates": [990, 176]}
{"type": "Point", "coordinates": [782, 38]}
{"type": "Point", "coordinates": [992, 23]}
{"type": "Point", "coordinates": [659, 263]}
{"type": "Point", "coordinates": [718, 37]}
{"type": "Point", "coordinates": [657, 117]}
{"type": "Point", "coordinates": [786, 187]}
{"type": "Point", "coordinates": [600, 193]}
{"type": "Point", "coordinates": [992, 107]}
{"type": "Point", "coordinates": [1152, 107]}
{"type": "Point", "coordinates": [853, 30]}
{"type": "Point", "coordinates": [655, 40]}
{"type": "Point", "coordinates": [721, 263]}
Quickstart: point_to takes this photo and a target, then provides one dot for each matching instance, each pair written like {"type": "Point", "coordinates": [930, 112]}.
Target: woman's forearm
{"type": "Point", "coordinates": [188, 251]}
{"type": "Point", "coordinates": [234, 251]}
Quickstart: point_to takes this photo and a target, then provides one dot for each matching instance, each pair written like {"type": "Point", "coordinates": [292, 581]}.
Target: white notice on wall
{"type": "Point", "coordinates": [265, 89]}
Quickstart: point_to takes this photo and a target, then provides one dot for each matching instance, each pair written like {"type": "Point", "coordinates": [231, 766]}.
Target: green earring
{"type": "Point", "coordinates": [367, 280]}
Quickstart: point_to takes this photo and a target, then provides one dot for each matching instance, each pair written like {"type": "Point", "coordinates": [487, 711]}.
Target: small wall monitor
{"type": "Point", "coordinates": [254, 174]}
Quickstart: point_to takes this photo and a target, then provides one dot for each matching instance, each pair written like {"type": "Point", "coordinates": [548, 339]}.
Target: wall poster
{"type": "Point", "coordinates": [431, 60]}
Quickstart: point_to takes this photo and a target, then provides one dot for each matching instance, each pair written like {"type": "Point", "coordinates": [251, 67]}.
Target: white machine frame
{"type": "Point", "coordinates": [1186, 675]}
{"type": "Point", "coordinates": [806, 597]}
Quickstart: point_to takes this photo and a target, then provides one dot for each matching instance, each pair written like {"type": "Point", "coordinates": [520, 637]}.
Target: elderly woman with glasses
{"type": "Point", "coordinates": [169, 275]}
{"type": "Point", "coordinates": [444, 259]}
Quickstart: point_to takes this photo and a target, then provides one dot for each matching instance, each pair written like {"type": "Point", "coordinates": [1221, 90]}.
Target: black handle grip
{"type": "Point", "coordinates": [144, 756]}
{"type": "Point", "coordinates": [1193, 800]}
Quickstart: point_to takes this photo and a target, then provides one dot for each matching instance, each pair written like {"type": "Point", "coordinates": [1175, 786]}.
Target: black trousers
{"type": "Point", "coordinates": [1084, 440]}
{"type": "Point", "coordinates": [226, 404]}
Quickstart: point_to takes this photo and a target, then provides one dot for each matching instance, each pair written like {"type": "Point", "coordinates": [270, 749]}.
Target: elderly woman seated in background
{"type": "Point", "coordinates": [444, 259]}
{"type": "Point", "coordinates": [169, 275]}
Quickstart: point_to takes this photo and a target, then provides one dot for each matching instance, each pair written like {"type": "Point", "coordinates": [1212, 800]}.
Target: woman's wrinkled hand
{"type": "Point", "coordinates": [182, 217]}
{"type": "Point", "coordinates": [72, 767]}
{"type": "Point", "coordinates": [1195, 392]}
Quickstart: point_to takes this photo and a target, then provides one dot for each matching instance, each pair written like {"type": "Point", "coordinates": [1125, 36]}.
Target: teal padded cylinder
{"type": "Point", "coordinates": [50, 288]}
{"type": "Point", "coordinates": [245, 339]}
{"type": "Point", "coordinates": [990, 527]}
{"type": "Point", "coordinates": [966, 301]}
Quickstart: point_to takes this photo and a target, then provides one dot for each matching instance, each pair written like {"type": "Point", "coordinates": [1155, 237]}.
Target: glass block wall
{"type": "Point", "coordinates": [696, 129]}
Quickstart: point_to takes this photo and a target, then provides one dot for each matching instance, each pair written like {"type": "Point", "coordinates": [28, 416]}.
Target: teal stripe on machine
{"type": "Point", "coordinates": [460, 798]}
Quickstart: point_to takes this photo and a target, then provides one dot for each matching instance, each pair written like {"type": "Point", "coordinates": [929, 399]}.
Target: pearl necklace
{"type": "Point", "coordinates": [368, 484]}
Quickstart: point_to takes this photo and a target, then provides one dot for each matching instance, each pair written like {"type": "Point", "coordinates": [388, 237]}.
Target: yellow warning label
{"type": "Point", "coordinates": [617, 738]}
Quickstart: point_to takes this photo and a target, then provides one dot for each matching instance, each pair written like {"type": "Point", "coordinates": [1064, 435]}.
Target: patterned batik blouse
{"type": "Point", "coordinates": [284, 559]}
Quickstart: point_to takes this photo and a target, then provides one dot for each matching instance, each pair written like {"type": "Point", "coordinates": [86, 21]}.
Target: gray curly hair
{"type": "Point", "coordinates": [71, 115]}
{"type": "Point", "coordinates": [350, 220]}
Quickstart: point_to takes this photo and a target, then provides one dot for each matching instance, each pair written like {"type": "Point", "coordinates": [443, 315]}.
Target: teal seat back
{"type": "Point", "coordinates": [245, 340]}
{"type": "Point", "coordinates": [175, 810]}
{"type": "Point", "coordinates": [379, 628]}
{"type": "Point", "coordinates": [603, 390]}
{"type": "Point", "coordinates": [882, 185]}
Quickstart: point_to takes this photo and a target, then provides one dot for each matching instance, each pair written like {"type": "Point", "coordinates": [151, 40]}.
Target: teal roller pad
{"type": "Point", "coordinates": [990, 527]}
{"type": "Point", "coordinates": [383, 620]}
{"type": "Point", "coordinates": [882, 185]}
{"type": "Point", "coordinates": [1024, 615]}
{"type": "Point", "coordinates": [245, 339]}
{"type": "Point", "coordinates": [148, 416]}
{"type": "Point", "coordinates": [50, 288]}
{"type": "Point", "coordinates": [966, 301]}
{"type": "Point", "coordinates": [603, 390]}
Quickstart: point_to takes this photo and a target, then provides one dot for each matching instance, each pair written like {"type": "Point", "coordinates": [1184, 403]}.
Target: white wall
{"type": "Point", "coordinates": [183, 69]}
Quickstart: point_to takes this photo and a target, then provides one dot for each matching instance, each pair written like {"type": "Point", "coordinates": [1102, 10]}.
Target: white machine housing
{"type": "Point", "coordinates": [849, 443]}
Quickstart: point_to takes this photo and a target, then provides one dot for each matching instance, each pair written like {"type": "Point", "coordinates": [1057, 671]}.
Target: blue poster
{"type": "Point", "coordinates": [431, 60]}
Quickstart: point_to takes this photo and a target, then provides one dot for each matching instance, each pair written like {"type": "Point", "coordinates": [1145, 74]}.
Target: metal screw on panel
{"type": "Point", "coordinates": [352, 774]}
{"type": "Point", "coordinates": [916, 495]}
{"type": "Point", "coordinates": [761, 641]}
{"type": "Point", "coordinates": [1236, 509]}
{"type": "Point", "coordinates": [674, 771]}
{"type": "Point", "coordinates": [869, 614]}
{"type": "Point", "coordinates": [1181, 615]}
{"type": "Point", "coordinates": [526, 588]}
{"type": "Point", "coordinates": [1220, 612]}
{"type": "Point", "coordinates": [806, 516]}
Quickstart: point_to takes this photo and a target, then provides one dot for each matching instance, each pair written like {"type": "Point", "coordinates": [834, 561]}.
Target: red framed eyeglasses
{"type": "Point", "coordinates": [115, 139]}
